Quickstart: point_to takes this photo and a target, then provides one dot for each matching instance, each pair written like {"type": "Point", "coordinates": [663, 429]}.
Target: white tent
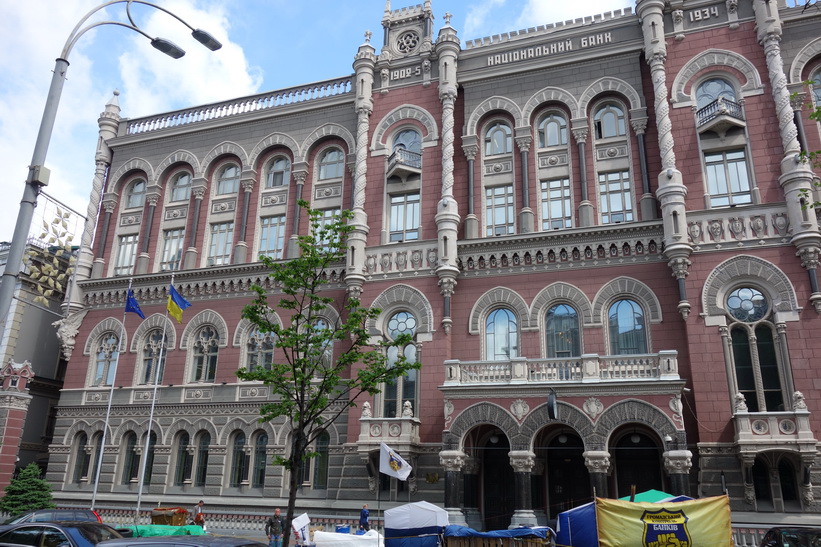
{"type": "Point", "coordinates": [420, 514]}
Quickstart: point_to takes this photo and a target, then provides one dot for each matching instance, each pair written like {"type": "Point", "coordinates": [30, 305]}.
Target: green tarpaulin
{"type": "Point", "coordinates": [163, 530]}
{"type": "Point", "coordinates": [653, 496]}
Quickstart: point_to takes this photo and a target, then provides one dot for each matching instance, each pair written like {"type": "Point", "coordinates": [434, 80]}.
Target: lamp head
{"type": "Point", "coordinates": [168, 47]}
{"type": "Point", "coordinates": [206, 39]}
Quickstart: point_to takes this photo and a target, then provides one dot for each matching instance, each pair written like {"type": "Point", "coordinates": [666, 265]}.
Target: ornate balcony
{"type": "Point", "coordinates": [759, 431]}
{"type": "Point", "coordinates": [719, 116]}
{"type": "Point", "coordinates": [590, 368]}
{"type": "Point", "coordinates": [403, 162]}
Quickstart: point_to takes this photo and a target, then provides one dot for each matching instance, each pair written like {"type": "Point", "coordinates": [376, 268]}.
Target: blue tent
{"type": "Point", "coordinates": [462, 531]}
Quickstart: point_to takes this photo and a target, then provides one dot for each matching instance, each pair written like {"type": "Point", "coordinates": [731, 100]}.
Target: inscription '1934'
{"type": "Point", "coordinates": [550, 48]}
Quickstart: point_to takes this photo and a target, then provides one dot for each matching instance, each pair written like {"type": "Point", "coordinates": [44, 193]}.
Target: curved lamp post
{"type": "Point", "coordinates": [38, 174]}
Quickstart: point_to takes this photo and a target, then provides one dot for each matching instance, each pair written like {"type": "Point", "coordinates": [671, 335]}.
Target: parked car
{"type": "Point", "coordinates": [793, 536]}
{"type": "Point", "coordinates": [183, 541]}
{"type": "Point", "coordinates": [56, 515]}
{"type": "Point", "coordinates": [54, 534]}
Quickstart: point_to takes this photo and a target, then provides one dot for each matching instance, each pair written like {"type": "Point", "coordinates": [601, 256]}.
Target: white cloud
{"type": "Point", "coordinates": [540, 12]}
{"type": "Point", "coordinates": [476, 20]}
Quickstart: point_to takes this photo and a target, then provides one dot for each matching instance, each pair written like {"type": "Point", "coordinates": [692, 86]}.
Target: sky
{"type": "Point", "coordinates": [267, 45]}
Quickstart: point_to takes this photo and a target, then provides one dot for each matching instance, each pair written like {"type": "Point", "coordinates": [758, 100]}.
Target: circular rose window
{"type": "Point", "coordinates": [407, 42]}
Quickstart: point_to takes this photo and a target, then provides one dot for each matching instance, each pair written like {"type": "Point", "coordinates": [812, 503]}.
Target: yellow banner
{"type": "Point", "coordinates": [696, 523]}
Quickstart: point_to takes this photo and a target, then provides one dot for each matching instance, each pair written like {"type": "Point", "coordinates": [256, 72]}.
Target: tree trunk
{"type": "Point", "coordinates": [297, 456]}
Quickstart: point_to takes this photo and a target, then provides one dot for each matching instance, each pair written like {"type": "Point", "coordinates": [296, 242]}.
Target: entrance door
{"type": "Point", "coordinates": [497, 481]}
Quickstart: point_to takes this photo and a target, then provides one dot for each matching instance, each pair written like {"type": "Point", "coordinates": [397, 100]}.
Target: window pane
{"type": "Point", "coordinates": [404, 217]}
{"type": "Point", "coordinates": [498, 139]}
{"type": "Point", "coordinates": [626, 326]}
{"type": "Point", "coordinates": [136, 195]}
{"type": "Point", "coordinates": [127, 251]}
{"type": "Point", "coordinates": [181, 188]}
{"type": "Point", "coordinates": [332, 164]}
{"type": "Point", "coordinates": [562, 330]}
{"type": "Point", "coordinates": [172, 249]}
{"type": "Point", "coordinates": [222, 239]}
{"type": "Point", "coordinates": [615, 198]}
{"type": "Point", "coordinates": [279, 173]}
{"type": "Point", "coordinates": [556, 206]}
{"type": "Point", "coordinates": [501, 335]}
{"type": "Point", "coordinates": [272, 236]}
{"type": "Point", "coordinates": [228, 180]}
{"type": "Point", "coordinates": [499, 210]}
{"type": "Point", "coordinates": [206, 348]}
{"type": "Point", "coordinates": [728, 180]}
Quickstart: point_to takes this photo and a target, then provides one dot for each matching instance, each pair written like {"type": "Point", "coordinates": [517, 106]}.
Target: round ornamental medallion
{"type": "Point", "coordinates": [394, 430]}
{"type": "Point", "coordinates": [760, 427]}
{"type": "Point", "coordinates": [787, 427]}
{"type": "Point", "coordinates": [407, 42]}
{"type": "Point", "coordinates": [376, 430]}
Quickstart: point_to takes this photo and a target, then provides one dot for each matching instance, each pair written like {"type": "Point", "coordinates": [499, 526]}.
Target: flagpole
{"type": "Point", "coordinates": [146, 445]}
{"type": "Point", "coordinates": [108, 409]}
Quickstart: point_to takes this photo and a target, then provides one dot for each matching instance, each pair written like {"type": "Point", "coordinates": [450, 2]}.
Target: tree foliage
{"type": "Point", "coordinates": [324, 358]}
{"type": "Point", "coordinates": [27, 492]}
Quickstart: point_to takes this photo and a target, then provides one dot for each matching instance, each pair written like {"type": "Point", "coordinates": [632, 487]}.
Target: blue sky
{"type": "Point", "coordinates": [268, 44]}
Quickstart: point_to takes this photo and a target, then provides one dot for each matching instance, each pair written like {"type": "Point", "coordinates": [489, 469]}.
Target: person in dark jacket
{"type": "Point", "coordinates": [275, 528]}
{"type": "Point", "coordinates": [363, 518]}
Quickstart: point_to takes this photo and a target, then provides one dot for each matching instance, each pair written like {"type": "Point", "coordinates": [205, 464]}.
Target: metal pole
{"type": "Point", "coordinates": [108, 409]}
{"type": "Point", "coordinates": [14, 263]}
{"type": "Point", "coordinates": [160, 363]}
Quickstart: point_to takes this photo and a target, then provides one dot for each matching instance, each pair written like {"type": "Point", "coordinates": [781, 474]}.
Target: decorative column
{"type": "Point", "coordinates": [364, 66]}
{"type": "Point", "coordinates": [241, 248]}
{"type": "Point", "coordinates": [671, 190]}
{"type": "Point", "coordinates": [453, 461]}
{"type": "Point", "coordinates": [471, 148]}
{"type": "Point", "coordinates": [447, 215]}
{"type": "Point", "coordinates": [108, 123]}
{"type": "Point", "coordinates": [677, 465]}
{"type": "Point", "coordinates": [796, 176]}
{"type": "Point", "coordinates": [198, 193]}
{"type": "Point", "coordinates": [143, 259]}
{"type": "Point", "coordinates": [598, 466]}
{"type": "Point", "coordinates": [98, 268]}
{"type": "Point", "coordinates": [522, 463]}
{"type": "Point", "coordinates": [300, 174]}
{"type": "Point", "coordinates": [647, 203]}
{"type": "Point", "coordinates": [580, 131]}
{"type": "Point", "coordinates": [526, 217]}
{"type": "Point", "coordinates": [470, 495]}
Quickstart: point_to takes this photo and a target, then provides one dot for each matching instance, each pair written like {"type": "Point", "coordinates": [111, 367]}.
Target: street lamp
{"type": "Point", "coordinates": [38, 173]}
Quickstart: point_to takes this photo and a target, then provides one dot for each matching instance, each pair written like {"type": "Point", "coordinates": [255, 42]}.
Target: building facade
{"type": "Point", "coordinates": [596, 232]}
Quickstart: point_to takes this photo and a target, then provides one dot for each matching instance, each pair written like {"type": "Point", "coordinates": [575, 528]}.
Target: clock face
{"type": "Point", "coordinates": [407, 42]}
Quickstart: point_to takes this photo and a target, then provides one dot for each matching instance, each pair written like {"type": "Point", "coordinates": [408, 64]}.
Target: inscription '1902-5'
{"type": "Point", "coordinates": [550, 48]}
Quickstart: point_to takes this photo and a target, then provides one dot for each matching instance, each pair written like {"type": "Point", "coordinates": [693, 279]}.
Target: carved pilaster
{"type": "Point", "coordinates": [452, 460]}
{"type": "Point", "coordinates": [678, 462]}
{"type": "Point", "coordinates": [597, 461]}
{"type": "Point", "coordinates": [522, 460]}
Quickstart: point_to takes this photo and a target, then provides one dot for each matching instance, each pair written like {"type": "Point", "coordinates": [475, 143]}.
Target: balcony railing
{"type": "Point", "coordinates": [402, 156]}
{"type": "Point", "coordinates": [587, 368]}
{"type": "Point", "coordinates": [720, 107]}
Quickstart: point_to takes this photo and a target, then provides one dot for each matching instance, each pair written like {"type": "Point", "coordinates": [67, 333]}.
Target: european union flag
{"type": "Point", "coordinates": [131, 304]}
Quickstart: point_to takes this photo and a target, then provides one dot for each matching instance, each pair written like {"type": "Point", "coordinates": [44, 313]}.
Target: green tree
{"type": "Point", "coordinates": [27, 492]}
{"type": "Point", "coordinates": [324, 359]}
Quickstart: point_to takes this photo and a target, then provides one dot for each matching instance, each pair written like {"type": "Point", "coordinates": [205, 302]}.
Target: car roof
{"type": "Point", "coordinates": [200, 540]}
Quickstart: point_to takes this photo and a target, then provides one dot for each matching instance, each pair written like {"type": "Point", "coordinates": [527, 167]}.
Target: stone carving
{"type": "Point", "coordinates": [366, 410]}
{"type": "Point", "coordinates": [593, 407]}
{"type": "Point", "coordinates": [519, 408]}
{"type": "Point", "coordinates": [407, 410]}
{"type": "Point", "coordinates": [67, 330]}
{"type": "Point", "coordinates": [798, 402]}
{"type": "Point", "coordinates": [740, 403]}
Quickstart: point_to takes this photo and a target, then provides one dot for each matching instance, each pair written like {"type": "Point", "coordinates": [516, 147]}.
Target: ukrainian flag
{"type": "Point", "coordinates": [176, 303]}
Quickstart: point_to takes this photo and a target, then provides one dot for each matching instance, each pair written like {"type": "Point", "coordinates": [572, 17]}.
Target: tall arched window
{"type": "Point", "coordinates": [131, 460]}
{"type": "Point", "coordinates": [628, 335]}
{"type": "Point", "coordinates": [501, 335]}
{"type": "Point", "coordinates": [404, 389]}
{"type": "Point", "coordinates": [331, 164]}
{"type": "Point", "coordinates": [97, 442]}
{"type": "Point", "coordinates": [498, 139]}
{"type": "Point", "coordinates": [203, 447]}
{"type": "Point", "coordinates": [711, 90]}
{"type": "Point", "coordinates": [82, 459]}
{"type": "Point", "coordinates": [260, 350]}
{"type": "Point", "coordinates": [181, 187]}
{"type": "Point", "coordinates": [552, 130]}
{"type": "Point", "coordinates": [136, 194]}
{"type": "Point", "coordinates": [182, 474]}
{"type": "Point", "coordinates": [322, 443]}
{"type": "Point", "coordinates": [757, 370]}
{"type": "Point", "coordinates": [408, 139]}
{"type": "Point", "coordinates": [279, 172]}
{"type": "Point", "coordinates": [609, 121]}
{"type": "Point", "coordinates": [239, 461]}
{"type": "Point", "coordinates": [228, 181]}
{"type": "Point", "coordinates": [260, 463]}
{"type": "Point", "coordinates": [106, 362]}
{"type": "Point", "coordinates": [153, 356]}
{"type": "Point", "coordinates": [562, 331]}
{"type": "Point", "coordinates": [149, 458]}
{"type": "Point", "coordinates": [206, 351]}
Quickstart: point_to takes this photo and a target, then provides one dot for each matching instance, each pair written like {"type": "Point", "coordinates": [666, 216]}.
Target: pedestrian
{"type": "Point", "coordinates": [198, 517]}
{"type": "Point", "coordinates": [363, 518]}
{"type": "Point", "coordinates": [274, 528]}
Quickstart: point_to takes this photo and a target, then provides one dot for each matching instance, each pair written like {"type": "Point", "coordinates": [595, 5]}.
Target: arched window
{"type": "Point", "coordinates": [228, 182]}
{"type": "Point", "coordinates": [609, 121]}
{"type": "Point", "coordinates": [323, 337]}
{"type": "Point", "coordinates": [562, 331]}
{"type": "Point", "coordinates": [206, 351]}
{"type": "Point", "coordinates": [279, 172]}
{"type": "Point", "coordinates": [402, 390]}
{"type": "Point", "coordinates": [239, 461]}
{"type": "Point", "coordinates": [628, 335]}
{"type": "Point", "coordinates": [136, 194]}
{"type": "Point", "coordinates": [552, 130]}
{"type": "Point", "coordinates": [260, 350]}
{"type": "Point", "coordinates": [408, 139]}
{"type": "Point", "coordinates": [501, 335]}
{"type": "Point", "coordinates": [323, 441]}
{"type": "Point", "coordinates": [203, 447]}
{"type": "Point", "coordinates": [181, 187]}
{"type": "Point", "coordinates": [154, 353]}
{"type": "Point", "coordinates": [82, 459]}
{"type": "Point", "coordinates": [185, 458]}
{"type": "Point", "coordinates": [711, 90]}
{"type": "Point", "coordinates": [331, 164]}
{"type": "Point", "coordinates": [757, 370]}
{"type": "Point", "coordinates": [106, 362]}
{"type": "Point", "coordinates": [498, 139]}
{"type": "Point", "coordinates": [97, 441]}
{"type": "Point", "coordinates": [131, 461]}
{"type": "Point", "coordinates": [816, 87]}
{"type": "Point", "coordinates": [260, 463]}
{"type": "Point", "coordinates": [149, 458]}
